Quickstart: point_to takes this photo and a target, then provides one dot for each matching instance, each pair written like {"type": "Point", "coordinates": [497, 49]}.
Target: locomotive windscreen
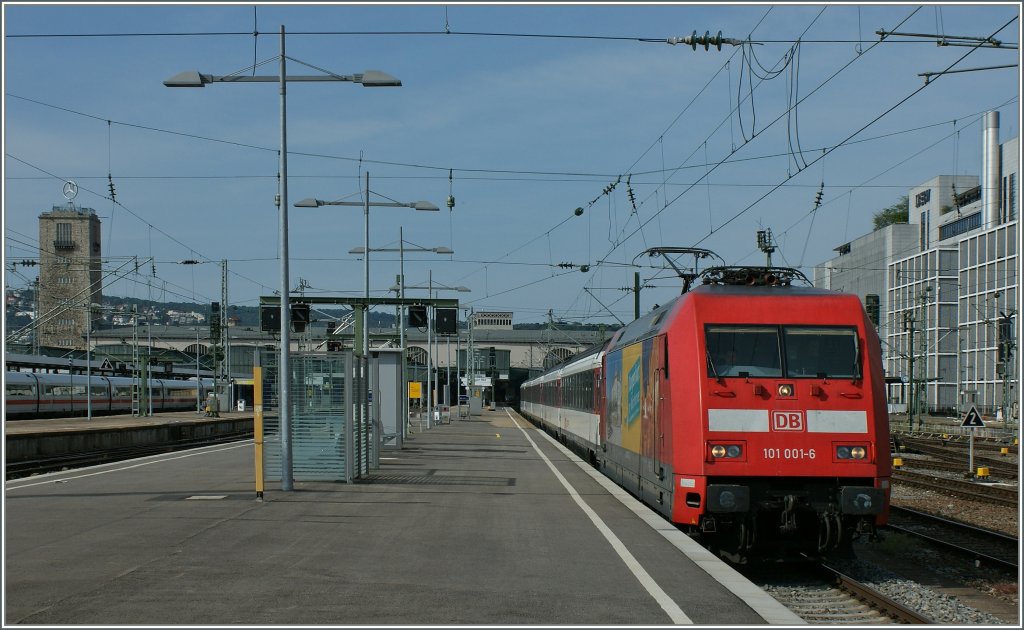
{"type": "Point", "coordinates": [743, 351]}
{"type": "Point", "coordinates": [782, 351]}
{"type": "Point", "coordinates": [820, 352]}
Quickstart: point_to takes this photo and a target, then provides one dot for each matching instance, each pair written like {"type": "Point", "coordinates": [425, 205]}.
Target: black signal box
{"type": "Point", "coordinates": [418, 316]}
{"type": "Point", "coordinates": [446, 321]}
{"type": "Point", "coordinates": [270, 318]}
{"type": "Point", "coordinates": [300, 317]}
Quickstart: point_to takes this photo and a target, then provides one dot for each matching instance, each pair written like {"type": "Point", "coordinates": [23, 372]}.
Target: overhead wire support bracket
{"type": "Point", "coordinates": [928, 75]}
{"type": "Point", "coordinates": [949, 40]}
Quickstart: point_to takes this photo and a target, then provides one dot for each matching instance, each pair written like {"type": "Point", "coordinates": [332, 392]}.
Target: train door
{"type": "Point", "coordinates": [107, 403]}
{"type": "Point", "coordinates": [652, 467]}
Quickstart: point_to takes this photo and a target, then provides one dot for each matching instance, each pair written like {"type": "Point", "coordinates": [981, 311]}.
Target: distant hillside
{"type": "Point", "coordinates": [20, 305]}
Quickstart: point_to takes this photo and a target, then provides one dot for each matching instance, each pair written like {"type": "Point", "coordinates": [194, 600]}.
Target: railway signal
{"type": "Point", "coordinates": [973, 421]}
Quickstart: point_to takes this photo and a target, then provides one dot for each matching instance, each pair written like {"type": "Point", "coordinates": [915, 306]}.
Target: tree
{"type": "Point", "coordinates": [898, 212]}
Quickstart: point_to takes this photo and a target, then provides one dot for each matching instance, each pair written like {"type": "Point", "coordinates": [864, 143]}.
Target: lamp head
{"type": "Point", "coordinates": [376, 78]}
{"type": "Point", "coordinates": [191, 78]}
{"type": "Point", "coordinates": [425, 205]}
{"type": "Point", "coordinates": [308, 202]}
{"type": "Point", "coordinates": [442, 250]}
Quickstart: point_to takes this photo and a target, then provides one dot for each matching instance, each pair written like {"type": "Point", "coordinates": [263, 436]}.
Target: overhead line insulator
{"type": "Point", "coordinates": [706, 40]}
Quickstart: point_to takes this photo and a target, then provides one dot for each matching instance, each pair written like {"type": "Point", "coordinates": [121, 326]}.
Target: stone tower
{"type": "Point", "coordinates": [70, 275]}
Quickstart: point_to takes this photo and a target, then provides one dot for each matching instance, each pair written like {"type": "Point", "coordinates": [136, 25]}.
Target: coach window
{"type": "Point", "coordinates": [743, 351]}
{"type": "Point", "coordinates": [17, 390]}
{"type": "Point", "coordinates": [820, 352]}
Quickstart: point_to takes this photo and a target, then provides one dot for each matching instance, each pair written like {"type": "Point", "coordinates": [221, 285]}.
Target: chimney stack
{"type": "Point", "coordinates": [990, 169]}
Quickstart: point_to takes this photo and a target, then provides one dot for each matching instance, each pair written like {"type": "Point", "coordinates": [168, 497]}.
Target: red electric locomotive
{"type": "Point", "coordinates": [748, 411]}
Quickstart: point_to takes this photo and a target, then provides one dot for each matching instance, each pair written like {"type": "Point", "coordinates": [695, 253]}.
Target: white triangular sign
{"type": "Point", "coordinates": [973, 419]}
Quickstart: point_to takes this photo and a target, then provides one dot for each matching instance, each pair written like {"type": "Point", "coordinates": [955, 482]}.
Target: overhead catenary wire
{"type": "Point", "coordinates": [445, 33]}
{"type": "Point", "coordinates": [888, 169]}
{"type": "Point", "coordinates": [765, 75]}
{"type": "Point", "coordinates": [873, 121]}
{"type": "Point", "coordinates": [707, 181]}
{"type": "Point", "coordinates": [439, 168]}
{"type": "Point", "coordinates": [808, 95]}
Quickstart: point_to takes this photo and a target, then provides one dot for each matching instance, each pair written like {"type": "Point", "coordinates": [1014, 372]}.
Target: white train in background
{"type": "Point", "coordinates": [41, 395]}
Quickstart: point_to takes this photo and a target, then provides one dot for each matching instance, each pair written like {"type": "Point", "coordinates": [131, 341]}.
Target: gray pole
{"type": "Point", "coordinates": [401, 333]}
{"type": "Point", "coordinates": [970, 453]}
{"type": "Point", "coordinates": [35, 317]}
{"type": "Point", "coordinates": [225, 338]}
{"type": "Point", "coordinates": [366, 268]}
{"type": "Point", "coordinates": [437, 356]}
{"type": "Point", "coordinates": [458, 363]}
{"type": "Point", "coordinates": [149, 362]}
{"type": "Point", "coordinates": [910, 368]}
{"type": "Point", "coordinates": [284, 372]}
{"type": "Point", "coordinates": [430, 377]}
{"type": "Point", "coordinates": [199, 403]}
{"type": "Point", "coordinates": [959, 361]}
{"type": "Point", "coordinates": [636, 295]}
{"type": "Point", "coordinates": [88, 363]}
{"type": "Point", "coordinates": [471, 359]}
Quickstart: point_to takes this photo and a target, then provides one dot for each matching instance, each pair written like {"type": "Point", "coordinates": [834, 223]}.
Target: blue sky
{"type": "Point", "coordinates": [520, 129]}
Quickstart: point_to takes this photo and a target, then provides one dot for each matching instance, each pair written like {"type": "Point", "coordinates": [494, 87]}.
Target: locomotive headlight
{"type": "Point", "coordinates": [851, 452]}
{"type": "Point", "coordinates": [785, 390]}
{"type": "Point", "coordinates": [726, 451]}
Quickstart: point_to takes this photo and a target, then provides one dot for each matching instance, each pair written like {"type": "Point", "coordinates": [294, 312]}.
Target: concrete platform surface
{"type": "Point", "coordinates": [482, 521]}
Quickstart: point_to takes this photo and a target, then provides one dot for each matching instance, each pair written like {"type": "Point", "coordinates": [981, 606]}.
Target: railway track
{"type": "Point", "coordinates": [981, 544]}
{"type": "Point", "coordinates": [822, 595]}
{"type": "Point", "coordinates": [27, 468]}
{"type": "Point", "coordinates": [957, 458]}
{"type": "Point", "coordinates": [959, 442]}
{"type": "Point", "coordinates": [1000, 472]}
{"type": "Point", "coordinates": [966, 489]}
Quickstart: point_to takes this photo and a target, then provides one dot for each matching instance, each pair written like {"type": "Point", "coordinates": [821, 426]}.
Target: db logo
{"type": "Point", "coordinates": [787, 421]}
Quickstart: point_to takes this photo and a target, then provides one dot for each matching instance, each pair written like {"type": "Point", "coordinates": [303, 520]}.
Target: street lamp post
{"type": "Point", "coordinates": [199, 403]}
{"type": "Point", "coordinates": [369, 78]}
{"type": "Point", "coordinates": [365, 204]}
{"type": "Point", "coordinates": [432, 288]}
{"type": "Point", "coordinates": [92, 307]}
{"type": "Point", "coordinates": [149, 362]}
{"type": "Point", "coordinates": [88, 363]}
{"type": "Point", "coordinates": [400, 290]}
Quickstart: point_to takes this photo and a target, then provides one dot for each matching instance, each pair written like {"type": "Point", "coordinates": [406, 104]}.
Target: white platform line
{"type": "Point", "coordinates": [667, 604]}
{"type": "Point", "coordinates": [763, 604]}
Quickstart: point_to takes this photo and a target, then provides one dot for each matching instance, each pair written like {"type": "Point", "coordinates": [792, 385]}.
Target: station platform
{"type": "Point", "coordinates": [117, 421]}
{"type": "Point", "coordinates": [484, 521]}
{"type": "Point", "coordinates": [50, 437]}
